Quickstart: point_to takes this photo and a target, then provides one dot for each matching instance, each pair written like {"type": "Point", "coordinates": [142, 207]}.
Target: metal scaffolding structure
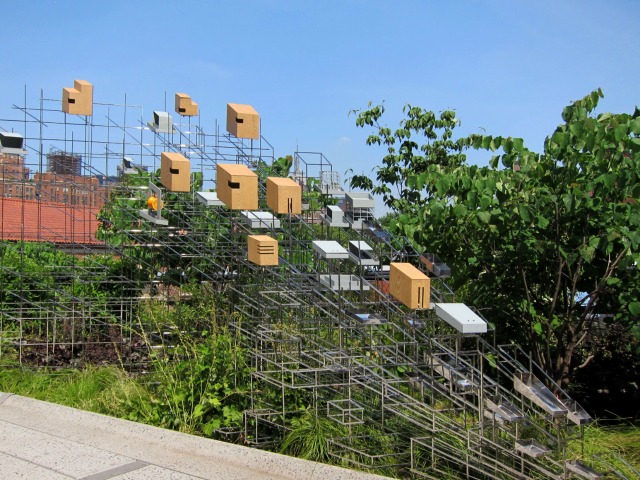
{"type": "Point", "coordinates": [413, 393]}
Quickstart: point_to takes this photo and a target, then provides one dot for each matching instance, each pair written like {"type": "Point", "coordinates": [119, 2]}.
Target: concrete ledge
{"type": "Point", "coordinates": [44, 440]}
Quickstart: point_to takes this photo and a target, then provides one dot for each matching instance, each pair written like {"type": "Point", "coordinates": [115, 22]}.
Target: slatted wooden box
{"type": "Point", "coordinates": [263, 250]}
{"type": "Point", "coordinates": [409, 285]}
{"type": "Point", "coordinates": [284, 195]}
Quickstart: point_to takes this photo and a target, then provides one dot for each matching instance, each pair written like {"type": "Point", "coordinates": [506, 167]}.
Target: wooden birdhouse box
{"type": "Point", "coordinates": [263, 250]}
{"type": "Point", "coordinates": [243, 121]}
{"type": "Point", "coordinates": [79, 99]}
{"type": "Point", "coordinates": [237, 186]}
{"type": "Point", "coordinates": [409, 285]}
{"type": "Point", "coordinates": [284, 195]}
{"type": "Point", "coordinates": [175, 172]}
{"type": "Point", "coordinates": [185, 106]}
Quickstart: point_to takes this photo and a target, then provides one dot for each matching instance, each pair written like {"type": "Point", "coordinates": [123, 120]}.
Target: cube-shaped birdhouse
{"type": "Point", "coordinates": [185, 106]}
{"type": "Point", "coordinates": [284, 195]}
{"type": "Point", "coordinates": [243, 121]}
{"type": "Point", "coordinates": [263, 250]}
{"type": "Point", "coordinates": [237, 186]}
{"type": "Point", "coordinates": [175, 172]}
{"type": "Point", "coordinates": [409, 285]}
{"type": "Point", "coordinates": [79, 99]}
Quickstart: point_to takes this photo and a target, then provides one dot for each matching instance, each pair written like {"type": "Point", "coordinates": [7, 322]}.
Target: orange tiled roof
{"type": "Point", "coordinates": [34, 221]}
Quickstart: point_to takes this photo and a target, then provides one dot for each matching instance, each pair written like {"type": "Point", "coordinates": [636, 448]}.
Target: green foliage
{"type": "Point", "coordinates": [309, 436]}
{"type": "Point", "coordinates": [104, 390]}
{"type": "Point", "coordinates": [543, 242]}
{"type": "Point", "coordinates": [282, 166]}
{"type": "Point", "coordinates": [120, 213]}
{"type": "Point", "coordinates": [36, 276]}
{"type": "Point", "coordinates": [278, 168]}
{"type": "Point", "coordinates": [24, 274]}
{"type": "Point", "coordinates": [401, 178]}
{"type": "Point", "coordinates": [198, 378]}
{"type": "Point", "coordinates": [201, 375]}
{"type": "Point", "coordinates": [604, 446]}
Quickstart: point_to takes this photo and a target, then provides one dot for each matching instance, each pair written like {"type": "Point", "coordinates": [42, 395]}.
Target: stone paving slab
{"type": "Point", "coordinates": [13, 467]}
{"type": "Point", "coordinates": [54, 453]}
{"type": "Point", "coordinates": [40, 440]}
{"type": "Point", "coordinates": [152, 472]}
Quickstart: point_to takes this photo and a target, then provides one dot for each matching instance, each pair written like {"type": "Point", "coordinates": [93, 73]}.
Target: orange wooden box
{"type": "Point", "coordinates": [409, 285]}
{"type": "Point", "coordinates": [243, 121]}
{"type": "Point", "coordinates": [237, 186]}
{"type": "Point", "coordinates": [185, 106]}
{"type": "Point", "coordinates": [175, 172]}
{"type": "Point", "coordinates": [263, 250]}
{"type": "Point", "coordinates": [79, 99]}
{"type": "Point", "coordinates": [283, 194]}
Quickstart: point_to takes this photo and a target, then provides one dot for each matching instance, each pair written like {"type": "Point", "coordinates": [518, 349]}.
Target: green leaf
{"type": "Point", "coordinates": [484, 216]}
{"type": "Point", "coordinates": [518, 144]}
{"type": "Point", "coordinates": [459, 210]}
{"type": "Point", "coordinates": [523, 211]}
{"type": "Point", "coordinates": [542, 222]}
{"type": "Point", "coordinates": [588, 253]}
{"type": "Point", "coordinates": [576, 129]}
{"type": "Point", "coordinates": [634, 308]}
{"type": "Point", "coordinates": [568, 201]}
{"type": "Point", "coordinates": [620, 132]}
{"type": "Point", "coordinates": [558, 139]}
{"type": "Point", "coordinates": [491, 359]}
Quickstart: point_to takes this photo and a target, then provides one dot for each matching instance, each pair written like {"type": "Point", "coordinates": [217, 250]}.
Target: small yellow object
{"type": "Point", "coordinates": [152, 203]}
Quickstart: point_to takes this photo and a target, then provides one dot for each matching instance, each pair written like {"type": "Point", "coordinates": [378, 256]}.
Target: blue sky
{"type": "Point", "coordinates": [507, 67]}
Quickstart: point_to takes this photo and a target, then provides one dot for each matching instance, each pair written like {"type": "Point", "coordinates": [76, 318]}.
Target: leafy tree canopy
{"type": "Point", "coordinates": [547, 244]}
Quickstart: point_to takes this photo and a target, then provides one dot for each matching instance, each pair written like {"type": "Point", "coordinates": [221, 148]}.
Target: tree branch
{"type": "Point", "coordinates": [586, 362]}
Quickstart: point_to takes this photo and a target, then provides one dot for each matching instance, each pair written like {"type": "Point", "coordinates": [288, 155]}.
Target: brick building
{"type": "Point", "coordinates": [59, 205]}
{"type": "Point", "coordinates": [14, 178]}
{"type": "Point", "coordinates": [61, 184]}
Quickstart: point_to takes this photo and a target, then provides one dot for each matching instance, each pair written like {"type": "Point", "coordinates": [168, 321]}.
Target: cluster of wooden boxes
{"type": "Point", "coordinates": [237, 186]}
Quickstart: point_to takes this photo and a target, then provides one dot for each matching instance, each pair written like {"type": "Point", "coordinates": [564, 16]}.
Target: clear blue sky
{"type": "Point", "coordinates": [505, 66]}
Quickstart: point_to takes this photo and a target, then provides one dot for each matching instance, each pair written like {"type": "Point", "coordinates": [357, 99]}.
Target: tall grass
{"type": "Point", "coordinates": [309, 437]}
{"type": "Point", "coordinates": [604, 446]}
{"type": "Point", "coordinates": [108, 390]}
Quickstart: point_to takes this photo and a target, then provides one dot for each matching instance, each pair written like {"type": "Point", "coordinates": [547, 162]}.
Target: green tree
{"type": "Point", "coordinates": [547, 244]}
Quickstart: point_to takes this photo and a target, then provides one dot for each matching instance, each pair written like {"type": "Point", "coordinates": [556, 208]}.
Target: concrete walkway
{"type": "Point", "coordinates": [40, 440]}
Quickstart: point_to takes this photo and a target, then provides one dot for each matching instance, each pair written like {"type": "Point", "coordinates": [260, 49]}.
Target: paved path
{"type": "Point", "coordinates": [40, 440]}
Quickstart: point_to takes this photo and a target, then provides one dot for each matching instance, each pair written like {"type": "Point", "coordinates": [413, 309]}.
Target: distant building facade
{"type": "Point", "coordinates": [59, 205]}
{"type": "Point", "coordinates": [14, 178]}
{"type": "Point", "coordinates": [62, 183]}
